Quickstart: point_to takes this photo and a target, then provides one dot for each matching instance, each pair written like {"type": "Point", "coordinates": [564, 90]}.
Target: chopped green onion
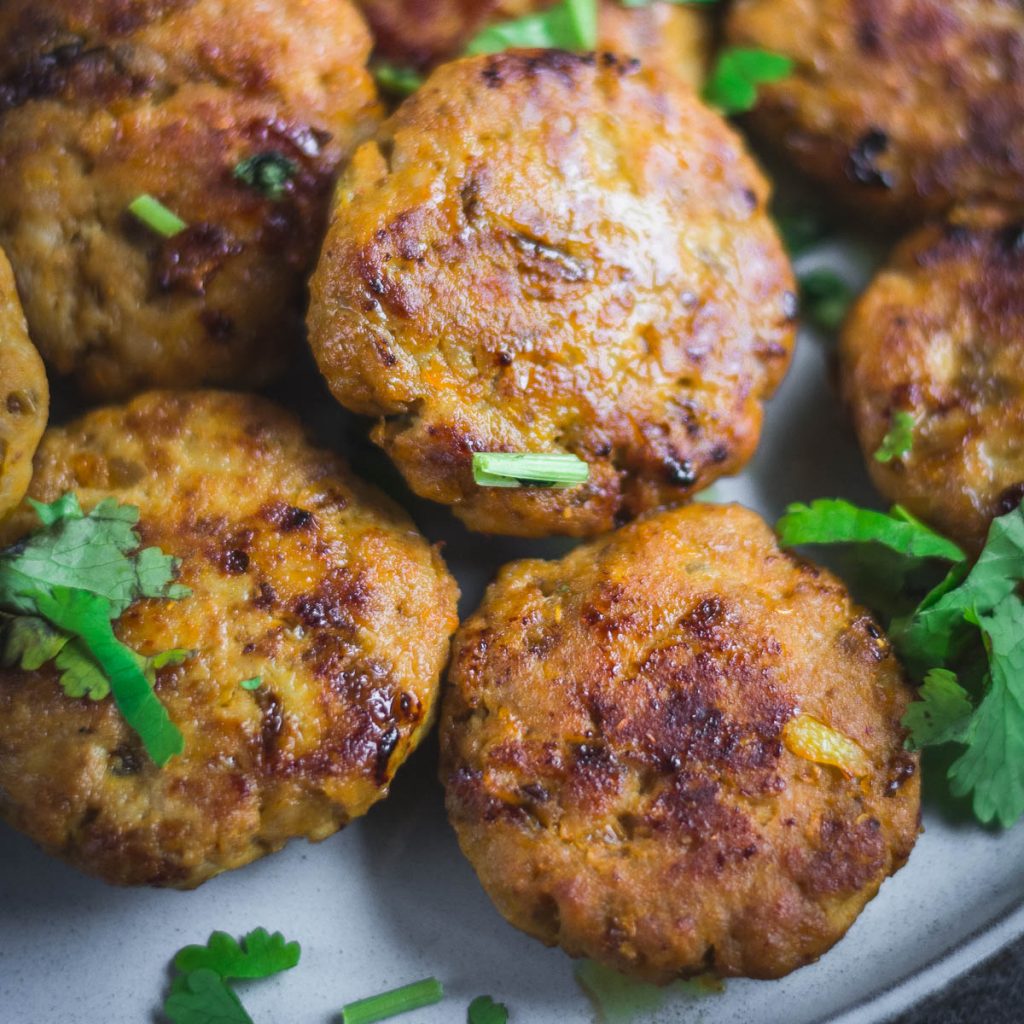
{"type": "Point", "coordinates": [899, 439]}
{"type": "Point", "coordinates": [484, 1010]}
{"type": "Point", "coordinates": [268, 173]}
{"type": "Point", "coordinates": [397, 80]}
{"type": "Point", "coordinates": [251, 684]}
{"type": "Point", "coordinates": [520, 469]}
{"type": "Point", "coordinates": [156, 216]}
{"type": "Point", "coordinates": [732, 87]}
{"type": "Point", "coordinates": [390, 1004]}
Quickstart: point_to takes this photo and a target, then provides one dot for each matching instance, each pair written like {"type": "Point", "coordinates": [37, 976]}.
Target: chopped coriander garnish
{"type": "Point", "coordinates": [520, 469]}
{"type": "Point", "coordinates": [732, 87]}
{"type": "Point", "coordinates": [391, 1004]}
{"type": "Point", "coordinates": [569, 25]}
{"type": "Point", "coordinates": [251, 684]}
{"type": "Point", "coordinates": [397, 80]}
{"type": "Point", "coordinates": [61, 588]}
{"type": "Point", "coordinates": [484, 1010]}
{"type": "Point", "coordinates": [964, 643]}
{"type": "Point", "coordinates": [825, 297]}
{"type": "Point", "coordinates": [899, 438]}
{"type": "Point", "coordinates": [156, 216]}
{"type": "Point", "coordinates": [200, 994]}
{"type": "Point", "coordinates": [268, 173]}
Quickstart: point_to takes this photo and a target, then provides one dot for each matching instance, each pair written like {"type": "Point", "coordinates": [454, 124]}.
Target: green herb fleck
{"type": "Point", "coordinates": [732, 87]}
{"type": "Point", "coordinates": [390, 1004]}
{"type": "Point", "coordinates": [801, 230]}
{"type": "Point", "coordinates": [943, 712]}
{"type": "Point", "coordinates": [203, 998]}
{"type": "Point", "coordinates": [268, 173]}
{"type": "Point", "coordinates": [899, 438]}
{"type": "Point", "coordinates": [251, 684]}
{"type": "Point", "coordinates": [59, 590]}
{"type": "Point", "coordinates": [825, 298]}
{"type": "Point", "coordinates": [156, 216]}
{"type": "Point", "coordinates": [516, 469]}
{"type": "Point", "coordinates": [397, 80]}
{"type": "Point", "coordinates": [569, 25]}
{"type": "Point", "coordinates": [484, 1010]}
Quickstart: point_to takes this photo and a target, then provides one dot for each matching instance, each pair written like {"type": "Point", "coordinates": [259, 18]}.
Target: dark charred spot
{"type": "Point", "coordinates": [901, 768]}
{"type": "Point", "coordinates": [125, 760]}
{"type": "Point", "coordinates": [272, 722]}
{"type": "Point", "coordinates": [679, 472]}
{"type": "Point", "coordinates": [287, 518]}
{"type": "Point", "coordinates": [1010, 499]}
{"type": "Point", "coordinates": [535, 791]}
{"type": "Point", "coordinates": [189, 260]}
{"type": "Point", "coordinates": [335, 602]}
{"type": "Point", "coordinates": [385, 748]}
{"type": "Point", "coordinates": [72, 70]}
{"type": "Point", "coordinates": [849, 856]}
{"type": "Point", "coordinates": [1011, 239]}
{"type": "Point", "coordinates": [266, 597]}
{"type": "Point", "coordinates": [235, 562]}
{"type": "Point", "coordinates": [861, 165]}
{"type": "Point", "coordinates": [468, 798]}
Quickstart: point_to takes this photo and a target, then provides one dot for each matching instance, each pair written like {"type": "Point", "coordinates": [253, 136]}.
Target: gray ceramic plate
{"type": "Point", "coordinates": [391, 900]}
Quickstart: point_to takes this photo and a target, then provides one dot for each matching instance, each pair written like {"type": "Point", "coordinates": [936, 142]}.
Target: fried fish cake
{"type": "Point", "coordinates": [547, 252]}
{"type": "Point", "coordinates": [635, 747]}
{"type": "Point", "coordinates": [939, 334]}
{"type": "Point", "coordinates": [424, 33]}
{"type": "Point", "coordinates": [901, 107]}
{"type": "Point", "coordinates": [24, 395]}
{"type": "Point", "coordinates": [301, 576]}
{"type": "Point", "coordinates": [234, 117]}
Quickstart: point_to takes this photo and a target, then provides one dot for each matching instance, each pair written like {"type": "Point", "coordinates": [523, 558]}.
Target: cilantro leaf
{"type": "Point", "coordinates": [259, 955]}
{"type": "Point", "coordinates": [203, 998]}
{"type": "Point", "coordinates": [800, 229]}
{"type": "Point", "coordinates": [268, 173]}
{"type": "Point", "coordinates": [899, 438]}
{"type": "Point", "coordinates": [569, 25]}
{"type": "Point", "coordinates": [87, 616]}
{"type": "Point", "coordinates": [59, 590]}
{"type": "Point", "coordinates": [484, 1010]}
{"type": "Point", "coordinates": [991, 769]}
{"type": "Point", "coordinates": [732, 87]}
{"type": "Point", "coordinates": [938, 630]}
{"type": "Point", "coordinates": [834, 521]}
{"type": "Point", "coordinates": [86, 552]}
{"type": "Point", "coordinates": [943, 713]}
{"type": "Point", "coordinates": [825, 298]}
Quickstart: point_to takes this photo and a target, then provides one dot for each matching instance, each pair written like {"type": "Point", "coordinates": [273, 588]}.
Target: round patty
{"type": "Point", "coordinates": [104, 102]}
{"type": "Point", "coordinates": [424, 33]}
{"type": "Point", "coordinates": [24, 395]}
{"type": "Point", "coordinates": [939, 334]}
{"type": "Point", "coordinates": [300, 575]}
{"type": "Point", "coordinates": [902, 107]}
{"type": "Point", "coordinates": [621, 748]}
{"type": "Point", "coordinates": [545, 252]}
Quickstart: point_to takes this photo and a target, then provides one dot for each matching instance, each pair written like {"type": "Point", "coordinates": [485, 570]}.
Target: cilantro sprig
{"type": "Point", "coordinates": [200, 993]}
{"type": "Point", "coordinates": [61, 589]}
{"type": "Point", "coordinates": [825, 298]}
{"type": "Point", "coordinates": [963, 642]}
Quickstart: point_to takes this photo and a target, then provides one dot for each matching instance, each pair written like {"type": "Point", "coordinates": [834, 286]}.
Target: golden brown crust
{"type": "Point", "coordinates": [549, 252]}
{"type": "Point", "coordinates": [24, 395]}
{"type": "Point", "coordinates": [902, 107]}
{"type": "Point", "coordinates": [100, 103]}
{"type": "Point", "coordinates": [939, 333]}
{"type": "Point", "coordinates": [425, 33]}
{"type": "Point", "coordinates": [612, 750]}
{"type": "Point", "coordinates": [301, 575]}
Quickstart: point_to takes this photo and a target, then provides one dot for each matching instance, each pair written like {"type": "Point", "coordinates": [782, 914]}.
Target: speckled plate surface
{"type": "Point", "coordinates": [391, 899]}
